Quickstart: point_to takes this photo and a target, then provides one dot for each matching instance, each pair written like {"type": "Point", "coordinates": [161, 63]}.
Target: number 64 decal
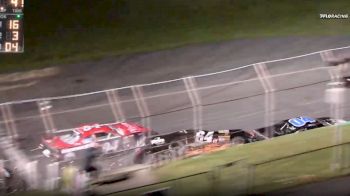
{"type": "Point", "coordinates": [301, 121]}
{"type": "Point", "coordinates": [204, 136]}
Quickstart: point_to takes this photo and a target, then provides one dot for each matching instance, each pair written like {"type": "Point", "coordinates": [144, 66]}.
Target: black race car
{"type": "Point", "coordinates": [176, 143]}
{"type": "Point", "coordinates": [297, 124]}
{"type": "Point", "coordinates": [347, 81]}
{"type": "Point", "coordinates": [181, 138]}
{"type": "Point", "coordinates": [233, 136]}
{"type": "Point", "coordinates": [343, 82]}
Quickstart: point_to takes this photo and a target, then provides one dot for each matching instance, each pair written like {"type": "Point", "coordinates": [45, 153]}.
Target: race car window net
{"type": "Point", "coordinates": [101, 135]}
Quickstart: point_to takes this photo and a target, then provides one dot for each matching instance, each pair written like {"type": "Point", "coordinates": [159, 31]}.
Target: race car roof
{"type": "Point", "coordinates": [117, 129]}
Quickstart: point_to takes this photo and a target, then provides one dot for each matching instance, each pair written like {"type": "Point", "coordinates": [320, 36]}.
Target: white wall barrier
{"type": "Point", "coordinates": [44, 107]}
{"type": "Point", "coordinates": [267, 83]}
{"type": "Point", "coordinates": [335, 96]}
{"type": "Point", "coordinates": [141, 104]}
{"type": "Point", "coordinates": [115, 104]}
{"type": "Point", "coordinates": [9, 122]}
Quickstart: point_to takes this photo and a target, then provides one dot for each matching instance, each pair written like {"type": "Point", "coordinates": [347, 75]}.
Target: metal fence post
{"type": "Point", "coordinates": [25, 168]}
{"type": "Point", "coordinates": [141, 105]}
{"type": "Point", "coordinates": [3, 184]}
{"type": "Point", "coordinates": [53, 177]}
{"type": "Point", "coordinates": [215, 177]}
{"type": "Point", "coordinates": [250, 179]}
{"type": "Point", "coordinates": [10, 124]}
{"type": "Point", "coordinates": [264, 78]}
{"type": "Point", "coordinates": [335, 96]}
{"type": "Point", "coordinates": [32, 173]}
{"type": "Point", "coordinates": [191, 87]}
{"type": "Point", "coordinates": [44, 107]}
{"type": "Point", "coordinates": [116, 107]}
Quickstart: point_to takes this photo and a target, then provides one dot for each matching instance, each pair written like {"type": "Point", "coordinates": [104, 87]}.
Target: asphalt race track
{"type": "Point", "coordinates": [238, 105]}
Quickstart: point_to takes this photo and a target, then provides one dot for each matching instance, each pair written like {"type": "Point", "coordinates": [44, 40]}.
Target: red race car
{"type": "Point", "coordinates": [109, 137]}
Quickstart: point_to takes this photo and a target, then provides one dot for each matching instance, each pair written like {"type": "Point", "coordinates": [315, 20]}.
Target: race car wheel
{"type": "Point", "coordinates": [177, 149]}
{"type": "Point", "coordinates": [237, 140]}
{"type": "Point", "coordinates": [176, 145]}
{"type": "Point", "coordinates": [140, 157]}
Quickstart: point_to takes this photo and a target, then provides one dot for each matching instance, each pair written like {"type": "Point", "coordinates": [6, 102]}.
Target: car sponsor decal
{"type": "Point", "coordinates": [90, 127]}
{"type": "Point", "coordinates": [158, 141]}
{"type": "Point", "coordinates": [224, 131]}
{"type": "Point", "coordinates": [301, 121]}
{"type": "Point", "coordinates": [64, 151]}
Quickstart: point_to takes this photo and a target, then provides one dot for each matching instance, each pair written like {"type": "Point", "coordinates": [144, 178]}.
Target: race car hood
{"type": "Point", "coordinates": [56, 143]}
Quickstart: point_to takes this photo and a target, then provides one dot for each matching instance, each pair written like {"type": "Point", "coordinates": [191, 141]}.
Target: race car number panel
{"type": "Point", "coordinates": [301, 121]}
{"type": "Point", "coordinates": [204, 136]}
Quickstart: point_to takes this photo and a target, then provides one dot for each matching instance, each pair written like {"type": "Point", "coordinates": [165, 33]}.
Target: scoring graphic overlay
{"type": "Point", "coordinates": [9, 4]}
{"type": "Point", "coordinates": [11, 26]}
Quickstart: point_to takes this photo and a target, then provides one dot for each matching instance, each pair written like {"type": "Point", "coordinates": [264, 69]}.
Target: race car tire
{"type": "Point", "coordinates": [139, 157]}
{"type": "Point", "coordinates": [142, 157]}
{"type": "Point", "coordinates": [237, 140]}
{"type": "Point", "coordinates": [175, 144]}
{"type": "Point", "coordinates": [177, 149]}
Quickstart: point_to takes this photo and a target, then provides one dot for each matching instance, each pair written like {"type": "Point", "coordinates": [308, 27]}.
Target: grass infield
{"type": "Point", "coordinates": [278, 163]}
{"type": "Point", "coordinates": [59, 32]}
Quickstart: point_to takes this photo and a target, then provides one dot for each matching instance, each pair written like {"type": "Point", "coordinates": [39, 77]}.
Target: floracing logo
{"type": "Point", "coordinates": [334, 16]}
